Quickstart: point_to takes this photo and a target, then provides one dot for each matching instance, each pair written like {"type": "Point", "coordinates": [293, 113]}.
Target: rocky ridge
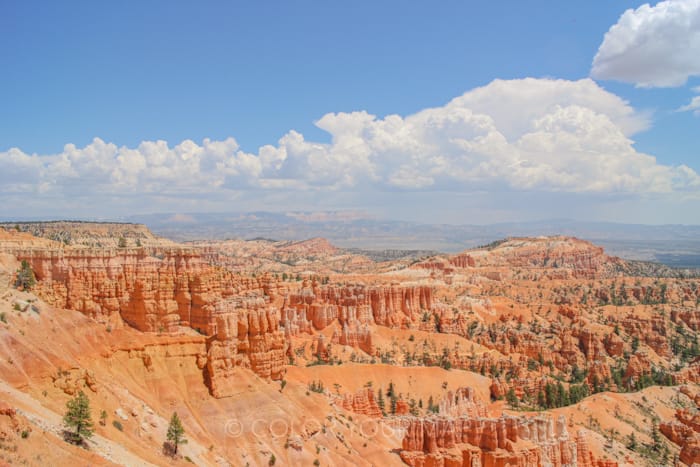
{"type": "Point", "coordinates": [548, 321]}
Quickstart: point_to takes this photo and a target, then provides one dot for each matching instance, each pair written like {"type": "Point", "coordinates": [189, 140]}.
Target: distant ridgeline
{"type": "Point", "coordinates": [679, 261]}
{"type": "Point", "coordinates": [674, 245]}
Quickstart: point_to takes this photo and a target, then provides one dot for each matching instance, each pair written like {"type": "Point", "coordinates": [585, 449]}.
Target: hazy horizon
{"type": "Point", "coordinates": [180, 217]}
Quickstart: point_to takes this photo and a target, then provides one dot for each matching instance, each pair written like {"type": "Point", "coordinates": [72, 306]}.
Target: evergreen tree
{"type": "Point", "coordinates": [78, 418]}
{"type": "Point", "coordinates": [393, 400]}
{"type": "Point", "coordinates": [664, 455]}
{"type": "Point", "coordinates": [176, 433]}
{"type": "Point", "coordinates": [578, 392]}
{"type": "Point", "coordinates": [663, 289]}
{"type": "Point", "coordinates": [380, 401]}
{"type": "Point", "coordinates": [390, 391]}
{"type": "Point", "coordinates": [578, 375]}
{"type": "Point", "coordinates": [562, 395]}
{"type": "Point", "coordinates": [413, 407]}
{"type": "Point", "coordinates": [25, 276]}
{"type": "Point", "coordinates": [511, 398]}
{"type": "Point", "coordinates": [445, 359]}
{"type": "Point", "coordinates": [655, 437]}
{"type": "Point", "coordinates": [550, 396]}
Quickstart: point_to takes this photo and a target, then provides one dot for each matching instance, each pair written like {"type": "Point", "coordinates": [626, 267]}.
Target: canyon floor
{"type": "Point", "coordinates": [524, 352]}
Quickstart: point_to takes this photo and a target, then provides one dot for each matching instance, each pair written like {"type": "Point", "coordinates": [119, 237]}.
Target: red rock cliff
{"type": "Point", "coordinates": [165, 291]}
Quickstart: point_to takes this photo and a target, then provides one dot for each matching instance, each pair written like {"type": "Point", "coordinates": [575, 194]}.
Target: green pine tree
{"type": "Point", "coordinates": [380, 401]}
{"type": "Point", "coordinates": [511, 398]}
{"type": "Point", "coordinates": [176, 433]}
{"type": "Point", "coordinates": [390, 391]}
{"type": "Point", "coordinates": [78, 418]}
{"type": "Point", "coordinates": [656, 438]}
{"type": "Point", "coordinates": [25, 276]}
{"type": "Point", "coordinates": [413, 407]}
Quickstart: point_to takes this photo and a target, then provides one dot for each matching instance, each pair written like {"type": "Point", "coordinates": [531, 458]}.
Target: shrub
{"type": "Point", "coordinates": [118, 425]}
{"type": "Point", "coordinates": [316, 386]}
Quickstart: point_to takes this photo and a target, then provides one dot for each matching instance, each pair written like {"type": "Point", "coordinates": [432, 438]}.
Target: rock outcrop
{"type": "Point", "coordinates": [13, 425]}
{"type": "Point", "coordinates": [572, 258]}
{"type": "Point", "coordinates": [685, 432]}
{"type": "Point", "coordinates": [395, 306]}
{"type": "Point", "coordinates": [488, 442]}
{"type": "Point", "coordinates": [166, 292]}
{"type": "Point", "coordinates": [246, 335]}
{"type": "Point", "coordinates": [462, 402]}
{"type": "Point", "coordinates": [362, 402]}
{"type": "Point", "coordinates": [637, 366]}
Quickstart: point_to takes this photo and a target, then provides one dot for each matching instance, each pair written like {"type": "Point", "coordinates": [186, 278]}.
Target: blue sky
{"type": "Point", "coordinates": [258, 72]}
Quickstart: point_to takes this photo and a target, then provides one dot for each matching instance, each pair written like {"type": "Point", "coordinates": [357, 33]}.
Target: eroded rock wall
{"type": "Point", "coordinates": [488, 441]}
{"type": "Point", "coordinates": [164, 292]}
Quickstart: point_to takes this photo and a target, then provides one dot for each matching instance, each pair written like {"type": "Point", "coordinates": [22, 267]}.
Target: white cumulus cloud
{"type": "Point", "coordinates": [538, 135]}
{"type": "Point", "coordinates": [693, 106]}
{"type": "Point", "coordinates": [652, 46]}
{"type": "Point", "coordinates": [19, 172]}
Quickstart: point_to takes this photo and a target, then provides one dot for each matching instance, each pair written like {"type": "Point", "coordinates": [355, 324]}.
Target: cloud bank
{"type": "Point", "coordinates": [536, 135]}
{"type": "Point", "coordinates": [655, 46]}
